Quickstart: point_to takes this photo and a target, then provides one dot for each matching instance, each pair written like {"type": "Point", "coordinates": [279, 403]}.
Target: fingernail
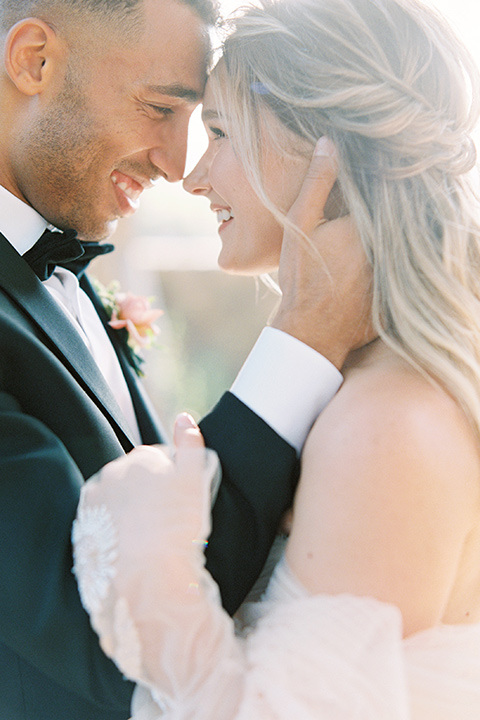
{"type": "Point", "coordinates": [186, 433]}
{"type": "Point", "coordinates": [185, 421]}
{"type": "Point", "coordinates": [324, 147]}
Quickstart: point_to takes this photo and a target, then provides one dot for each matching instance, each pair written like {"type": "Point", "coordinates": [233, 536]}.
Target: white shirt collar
{"type": "Point", "coordinates": [19, 222]}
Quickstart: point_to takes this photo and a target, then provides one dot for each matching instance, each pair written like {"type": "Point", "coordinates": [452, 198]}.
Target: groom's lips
{"type": "Point", "coordinates": [127, 192]}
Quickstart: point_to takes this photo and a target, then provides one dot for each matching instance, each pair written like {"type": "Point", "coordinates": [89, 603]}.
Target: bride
{"type": "Point", "coordinates": [373, 610]}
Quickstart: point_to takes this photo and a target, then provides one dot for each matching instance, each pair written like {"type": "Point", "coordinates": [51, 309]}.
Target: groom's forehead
{"type": "Point", "coordinates": [170, 56]}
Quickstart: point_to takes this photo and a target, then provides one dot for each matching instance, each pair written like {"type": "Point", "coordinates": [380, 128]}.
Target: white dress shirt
{"type": "Point", "coordinates": [283, 380]}
{"type": "Point", "coordinates": [287, 384]}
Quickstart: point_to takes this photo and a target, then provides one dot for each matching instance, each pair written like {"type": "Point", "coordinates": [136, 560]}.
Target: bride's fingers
{"type": "Point", "coordinates": [308, 209]}
{"type": "Point", "coordinates": [186, 432]}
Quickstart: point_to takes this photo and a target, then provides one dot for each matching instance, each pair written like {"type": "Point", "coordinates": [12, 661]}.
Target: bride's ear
{"type": "Point", "coordinates": [186, 432]}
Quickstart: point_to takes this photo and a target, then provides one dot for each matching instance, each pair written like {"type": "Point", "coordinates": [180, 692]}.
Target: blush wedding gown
{"type": "Point", "coordinates": [138, 545]}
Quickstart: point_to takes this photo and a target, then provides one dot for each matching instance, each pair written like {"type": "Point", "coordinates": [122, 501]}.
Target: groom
{"type": "Point", "coordinates": [95, 98]}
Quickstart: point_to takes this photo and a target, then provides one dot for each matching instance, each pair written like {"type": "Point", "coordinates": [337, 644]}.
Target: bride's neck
{"type": "Point", "coordinates": [364, 355]}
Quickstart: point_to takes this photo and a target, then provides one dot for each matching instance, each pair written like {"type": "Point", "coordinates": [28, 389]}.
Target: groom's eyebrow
{"type": "Point", "coordinates": [178, 91]}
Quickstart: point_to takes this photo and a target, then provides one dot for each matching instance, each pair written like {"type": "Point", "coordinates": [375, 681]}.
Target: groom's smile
{"type": "Point", "coordinates": [115, 122]}
{"type": "Point", "coordinates": [128, 192]}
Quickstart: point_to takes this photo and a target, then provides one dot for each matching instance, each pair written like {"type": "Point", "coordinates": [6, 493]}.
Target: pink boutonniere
{"type": "Point", "coordinates": [134, 319]}
{"type": "Point", "coordinates": [134, 313]}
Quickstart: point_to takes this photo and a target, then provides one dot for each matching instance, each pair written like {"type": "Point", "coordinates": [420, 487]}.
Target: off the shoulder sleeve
{"type": "Point", "coordinates": [139, 539]}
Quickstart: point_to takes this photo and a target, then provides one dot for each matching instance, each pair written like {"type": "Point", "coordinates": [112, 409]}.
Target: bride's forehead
{"type": "Point", "coordinates": [209, 96]}
{"type": "Point", "coordinates": [210, 105]}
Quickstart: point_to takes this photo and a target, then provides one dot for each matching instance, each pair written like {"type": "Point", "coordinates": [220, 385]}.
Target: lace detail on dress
{"type": "Point", "coordinates": [127, 642]}
{"type": "Point", "coordinates": [95, 551]}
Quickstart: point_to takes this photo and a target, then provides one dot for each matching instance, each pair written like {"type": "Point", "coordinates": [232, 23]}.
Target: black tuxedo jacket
{"type": "Point", "coordinates": [59, 424]}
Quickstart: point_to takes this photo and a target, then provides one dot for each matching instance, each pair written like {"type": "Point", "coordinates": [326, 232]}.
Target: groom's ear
{"type": "Point", "coordinates": [35, 57]}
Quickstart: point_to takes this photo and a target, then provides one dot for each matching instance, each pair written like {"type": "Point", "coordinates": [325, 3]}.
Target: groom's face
{"type": "Point", "coordinates": [84, 157]}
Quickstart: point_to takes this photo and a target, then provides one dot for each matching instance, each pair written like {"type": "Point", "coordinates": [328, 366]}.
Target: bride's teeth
{"type": "Point", "coordinates": [224, 215]}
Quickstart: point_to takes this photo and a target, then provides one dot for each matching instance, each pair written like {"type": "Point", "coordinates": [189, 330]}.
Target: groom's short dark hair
{"type": "Point", "coordinates": [125, 14]}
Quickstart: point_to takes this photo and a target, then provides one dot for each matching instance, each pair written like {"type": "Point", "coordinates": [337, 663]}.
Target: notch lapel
{"type": "Point", "coordinates": [26, 290]}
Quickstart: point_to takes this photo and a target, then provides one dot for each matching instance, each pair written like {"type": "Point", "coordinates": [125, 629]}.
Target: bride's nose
{"type": "Point", "coordinates": [197, 182]}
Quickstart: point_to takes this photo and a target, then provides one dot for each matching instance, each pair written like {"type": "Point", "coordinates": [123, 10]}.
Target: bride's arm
{"type": "Point", "coordinates": [139, 539]}
{"type": "Point", "coordinates": [139, 542]}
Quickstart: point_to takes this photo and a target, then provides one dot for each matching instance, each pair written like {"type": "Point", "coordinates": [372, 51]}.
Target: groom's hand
{"type": "Point", "coordinates": [325, 280]}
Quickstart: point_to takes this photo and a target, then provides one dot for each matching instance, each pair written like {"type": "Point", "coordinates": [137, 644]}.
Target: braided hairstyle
{"type": "Point", "coordinates": [398, 94]}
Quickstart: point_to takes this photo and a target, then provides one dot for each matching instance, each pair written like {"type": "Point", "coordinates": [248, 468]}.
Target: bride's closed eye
{"type": "Point", "coordinates": [217, 133]}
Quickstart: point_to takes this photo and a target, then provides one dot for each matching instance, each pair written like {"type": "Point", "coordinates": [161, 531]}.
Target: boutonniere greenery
{"type": "Point", "coordinates": [133, 318]}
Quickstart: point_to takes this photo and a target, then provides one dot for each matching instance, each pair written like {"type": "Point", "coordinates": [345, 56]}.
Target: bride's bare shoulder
{"type": "Point", "coordinates": [386, 411]}
{"type": "Point", "coordinates": [389, 492]}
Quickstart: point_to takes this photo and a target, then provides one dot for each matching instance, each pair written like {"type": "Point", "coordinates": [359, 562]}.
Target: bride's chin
{"type": "Point", "coordinates": [251, 267]}
{"type": "Point", "coordinates": [232, 265]}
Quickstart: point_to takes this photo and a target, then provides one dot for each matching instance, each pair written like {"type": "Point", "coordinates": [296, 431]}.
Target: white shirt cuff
{"type": "Point", "coordinates": [287, 384]}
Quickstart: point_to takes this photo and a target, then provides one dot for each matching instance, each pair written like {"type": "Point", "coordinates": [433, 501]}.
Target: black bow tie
{"type": "Point", "coordinates": [64, 249]}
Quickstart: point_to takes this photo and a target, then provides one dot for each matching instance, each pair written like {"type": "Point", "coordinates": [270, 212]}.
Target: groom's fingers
{"type": "Point", "coordinates": [186, 432]}
{"type": "Point", "coordinates": [307, 212]}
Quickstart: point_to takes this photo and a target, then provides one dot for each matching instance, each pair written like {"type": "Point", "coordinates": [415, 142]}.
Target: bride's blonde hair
{"type": "Point", "coordinates": [397, 93]}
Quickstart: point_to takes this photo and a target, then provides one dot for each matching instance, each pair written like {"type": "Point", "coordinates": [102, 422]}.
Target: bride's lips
{"type": "Point", "coordinates": [224, 216]}
{"type": "Point", "coordinates": [127, 191]}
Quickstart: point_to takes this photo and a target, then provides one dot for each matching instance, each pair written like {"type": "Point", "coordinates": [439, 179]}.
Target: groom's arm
{"type": "Point", "coordinates": [42, 619]}
{"type": "Point", "coordinates": [258, 430]}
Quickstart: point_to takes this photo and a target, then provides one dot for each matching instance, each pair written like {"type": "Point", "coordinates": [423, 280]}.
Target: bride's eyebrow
{"type": "Point", "coordinates": [210, 114]}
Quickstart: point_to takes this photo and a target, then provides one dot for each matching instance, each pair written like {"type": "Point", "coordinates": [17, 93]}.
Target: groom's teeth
{"type": "Point", "coordinates": [224, 215]}
{"type": "Point", "coordinates": [132, 194]}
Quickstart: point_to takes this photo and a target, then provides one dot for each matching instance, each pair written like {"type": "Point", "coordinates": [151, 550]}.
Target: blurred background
{"type": "Point", "coordinates": [168, 251]}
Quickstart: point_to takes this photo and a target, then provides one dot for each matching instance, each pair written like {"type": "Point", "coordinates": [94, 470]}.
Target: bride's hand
{"type": "Point", "coordinates": [139, 542]}
{"type": "Point", "coordinates": [325, 283]}
{"type": "Point", "coordinates": [136, 507]}
{"type": "Point", "coordinates": [186, 432]}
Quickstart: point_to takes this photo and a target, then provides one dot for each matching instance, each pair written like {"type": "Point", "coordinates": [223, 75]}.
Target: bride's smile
{"type": "Point", "coordinates": [251, 236]}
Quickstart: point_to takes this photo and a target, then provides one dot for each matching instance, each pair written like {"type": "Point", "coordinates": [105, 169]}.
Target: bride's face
{"type": "Point", "coordinates": [251, 237]}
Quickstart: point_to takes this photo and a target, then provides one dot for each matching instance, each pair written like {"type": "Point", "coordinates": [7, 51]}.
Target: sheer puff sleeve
{"type": "Point", "coordinates": [139, 537]}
